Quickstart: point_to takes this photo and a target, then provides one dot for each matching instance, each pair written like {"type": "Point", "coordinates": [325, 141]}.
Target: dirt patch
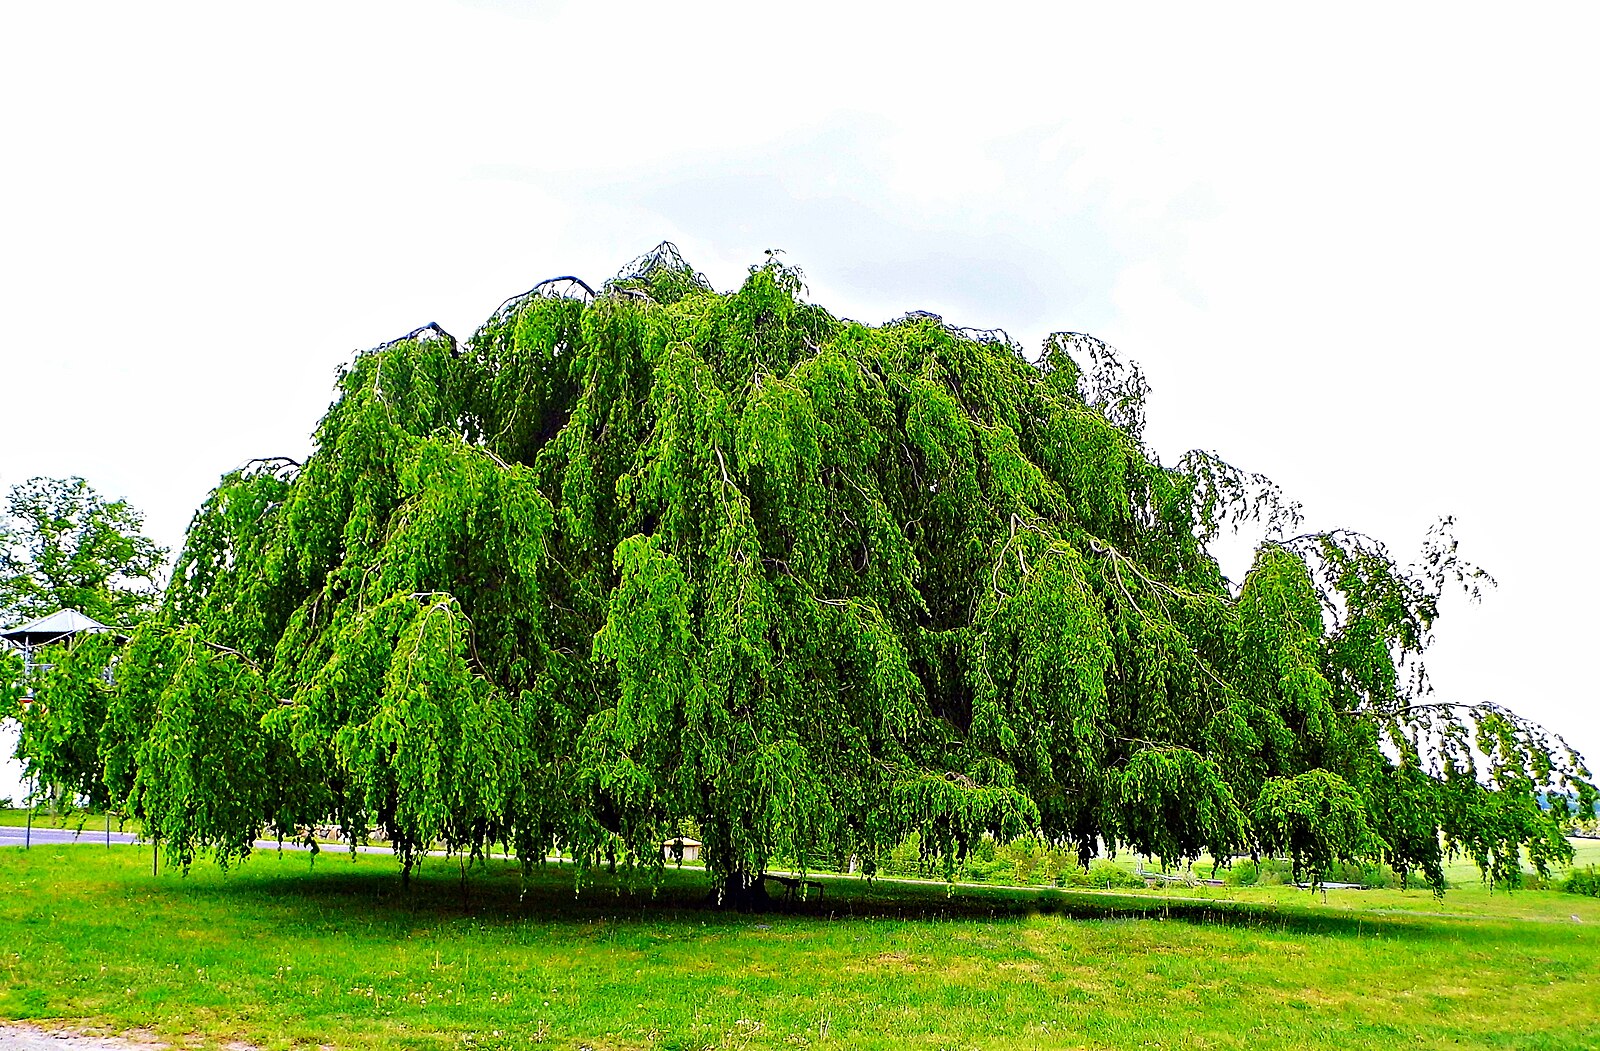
{"type": "Point", "coordinates": [23, 1037]}
{"type": "Point", "coordinates": [19, 1036]}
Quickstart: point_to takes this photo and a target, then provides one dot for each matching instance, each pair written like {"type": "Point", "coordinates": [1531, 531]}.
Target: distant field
{"type": "Point", "coordinates": [284, 953]}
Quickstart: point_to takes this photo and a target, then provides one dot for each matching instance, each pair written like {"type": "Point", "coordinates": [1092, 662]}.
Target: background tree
{"type": "Point", "coordinates": [661, 554]}
{"type": "Point", "coordinates": [63, 545]}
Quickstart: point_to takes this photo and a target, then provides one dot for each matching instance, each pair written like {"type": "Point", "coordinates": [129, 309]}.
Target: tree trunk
{"type": "Point", "coordinates": [744, 891]}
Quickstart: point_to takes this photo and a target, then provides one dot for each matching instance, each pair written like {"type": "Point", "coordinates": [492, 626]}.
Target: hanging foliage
{"type": "Point", "coordinates": [657, 554]}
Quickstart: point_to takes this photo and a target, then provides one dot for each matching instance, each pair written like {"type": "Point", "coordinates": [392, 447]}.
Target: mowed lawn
{"type": "Point", "coordinates": [281, 952]}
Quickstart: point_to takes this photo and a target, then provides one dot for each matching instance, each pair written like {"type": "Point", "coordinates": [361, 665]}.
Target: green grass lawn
{"type": "Point", "coordinates": [282, 953]}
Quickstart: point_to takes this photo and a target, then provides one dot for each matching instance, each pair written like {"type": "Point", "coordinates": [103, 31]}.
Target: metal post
{"type": "Point", "coordinates": [27, 676]}
{"type": "Point", "coordinates": [108, 826]}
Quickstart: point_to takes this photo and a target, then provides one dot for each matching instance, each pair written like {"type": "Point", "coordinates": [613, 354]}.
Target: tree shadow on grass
{"type": "Point", "coordinates": [495, 893]}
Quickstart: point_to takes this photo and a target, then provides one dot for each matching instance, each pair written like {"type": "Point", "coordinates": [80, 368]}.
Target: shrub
{"type": "Point", "coordinates": [904, 860]}
{"type": "Point", "coordinates": [1024, 856]}
{"type": "Point", "coordinates": [1104, 874]}
{"type": "Point", "coordinates": [1243, 874]}
{"type": "Point", "coordinates": [1274, 872]}
{"type": "Point", "coordinates": [1583, 881]}
{"type": "Point", "coordinates": [1365, 873]}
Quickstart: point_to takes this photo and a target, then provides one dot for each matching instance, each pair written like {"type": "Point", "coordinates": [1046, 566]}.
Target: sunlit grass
{"type": "Point", "coordinates": [283, 953]}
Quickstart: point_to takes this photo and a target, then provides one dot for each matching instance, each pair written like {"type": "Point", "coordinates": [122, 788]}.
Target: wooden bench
{"type": "Point", "coordinates": [794, 888]}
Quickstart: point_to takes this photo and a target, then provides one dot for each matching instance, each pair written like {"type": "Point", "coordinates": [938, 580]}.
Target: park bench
{"type": "Point", "coordinates": [794, 888]}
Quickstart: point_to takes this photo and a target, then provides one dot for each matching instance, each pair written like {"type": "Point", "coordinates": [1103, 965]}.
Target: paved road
{"type": "Point", "coordinates": [16, 836]}
{"type": "Point", "coordinates": [91, 835]}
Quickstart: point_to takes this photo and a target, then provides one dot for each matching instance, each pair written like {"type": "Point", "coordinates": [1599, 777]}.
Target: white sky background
{"type": "Point", "coordinates": [1354, 248]}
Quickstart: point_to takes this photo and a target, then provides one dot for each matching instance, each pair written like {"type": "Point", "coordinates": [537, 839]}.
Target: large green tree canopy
{"type": "Point", "coordinates": [659, 554]}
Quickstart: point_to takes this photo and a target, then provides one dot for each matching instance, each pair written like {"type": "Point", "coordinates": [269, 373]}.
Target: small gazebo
{"type": "Point", "coordinates": [61, 626]}
{"type": "Point", "coordinates": [57, 627]}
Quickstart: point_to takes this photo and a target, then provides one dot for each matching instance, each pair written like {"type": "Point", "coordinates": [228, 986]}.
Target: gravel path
{"type": "Point", "coordinates": [31, 1038]}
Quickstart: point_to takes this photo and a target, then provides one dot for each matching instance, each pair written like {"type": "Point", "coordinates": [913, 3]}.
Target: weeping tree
{"type": "Point", "coordinates": [657, 554]}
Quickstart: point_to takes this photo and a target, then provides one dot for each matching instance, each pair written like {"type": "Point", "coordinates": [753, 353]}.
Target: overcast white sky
{"type": "Point", "coordinates": [1353, 247]}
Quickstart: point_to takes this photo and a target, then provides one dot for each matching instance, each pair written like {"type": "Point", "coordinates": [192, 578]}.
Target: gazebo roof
{"type": "Point", "coordinates": [53, 628]}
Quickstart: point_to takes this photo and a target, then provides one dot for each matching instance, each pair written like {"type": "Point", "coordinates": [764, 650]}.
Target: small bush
{"type": "Point", "coordinates": [1275, 872]}
{"type": "Point", "coordinates": [904, 860]}
{"type": "Point", "coordinates": [1365, 873]}
{"type": "Point", "coordinates": [978, 870]}
{"type": "Point", "coordinates": [1107, 876]}
{"type": "Point", "coordinates": [1583, 881]}
{"type": "Point", "coordinates": [1024, 857]}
